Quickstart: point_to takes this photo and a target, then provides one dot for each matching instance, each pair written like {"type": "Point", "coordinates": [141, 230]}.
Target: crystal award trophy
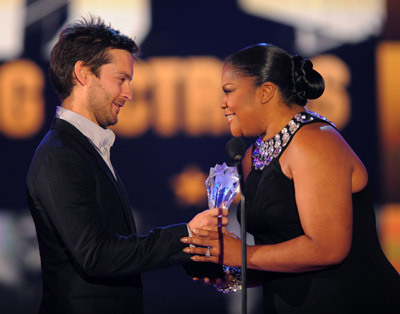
{"type": "Point", "coordinates": [222, 187]}
{"type": "Point", "coordinates": [223, 184]}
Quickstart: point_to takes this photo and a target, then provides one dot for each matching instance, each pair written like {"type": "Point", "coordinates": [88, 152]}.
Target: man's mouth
{"type": "Point", "coordinates": [119, 105]}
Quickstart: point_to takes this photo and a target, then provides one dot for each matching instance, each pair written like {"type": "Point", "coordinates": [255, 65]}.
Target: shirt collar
{"type": "Point", "coordinates": [101, 138]}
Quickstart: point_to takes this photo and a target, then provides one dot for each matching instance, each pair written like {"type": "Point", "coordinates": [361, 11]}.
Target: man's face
{"type": "Point", "coordinates": [111, 89]}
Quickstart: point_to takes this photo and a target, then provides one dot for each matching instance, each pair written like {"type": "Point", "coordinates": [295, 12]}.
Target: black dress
{"type": "Point", "coordinates": [365, 282]}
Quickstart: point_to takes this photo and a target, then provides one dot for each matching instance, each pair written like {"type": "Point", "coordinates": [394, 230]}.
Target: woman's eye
{"type": "Point", "coordinates": [226, 91]}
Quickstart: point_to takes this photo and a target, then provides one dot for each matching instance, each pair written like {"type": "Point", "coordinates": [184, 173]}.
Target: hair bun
{"type": "Point", "coordinates": [307, 83]}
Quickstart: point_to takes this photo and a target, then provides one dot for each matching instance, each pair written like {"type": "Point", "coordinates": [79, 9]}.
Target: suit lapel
{"type": "Point", "coordinates": [128, 213]}
{"type": "Point", "coordinates": [68, 127]}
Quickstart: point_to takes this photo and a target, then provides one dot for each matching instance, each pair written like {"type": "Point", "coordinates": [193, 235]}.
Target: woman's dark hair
{"type": "Point", "coordinates": [88, 40]}
{"type": "Point", "coordinates": [294, 76]}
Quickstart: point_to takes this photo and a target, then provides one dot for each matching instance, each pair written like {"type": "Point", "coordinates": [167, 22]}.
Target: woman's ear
{"type": "Point", "coordinates": [267, 91]}
{"type": "Point", "coordinates": [81, 72]}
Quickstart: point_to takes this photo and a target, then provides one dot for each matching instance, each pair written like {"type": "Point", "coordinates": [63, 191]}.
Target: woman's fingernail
{"type": "Point", "coordinates": [186, 249]}
{"type": "Point", "coordinates": [184, 240]}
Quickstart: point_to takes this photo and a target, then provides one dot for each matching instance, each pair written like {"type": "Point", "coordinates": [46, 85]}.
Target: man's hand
{"type": "Point", "coordinates": [211, 219]}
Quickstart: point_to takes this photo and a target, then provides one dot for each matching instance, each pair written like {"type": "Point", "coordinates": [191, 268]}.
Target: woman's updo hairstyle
{"type": "Point", "coordinates": [295, 77]}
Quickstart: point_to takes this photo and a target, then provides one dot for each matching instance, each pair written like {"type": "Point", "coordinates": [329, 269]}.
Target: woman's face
{"type": "Point", "coordinates": [242, 108]}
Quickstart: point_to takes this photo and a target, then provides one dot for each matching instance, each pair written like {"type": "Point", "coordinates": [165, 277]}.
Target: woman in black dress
{"type": "Point", "coordinates": [308, 199]}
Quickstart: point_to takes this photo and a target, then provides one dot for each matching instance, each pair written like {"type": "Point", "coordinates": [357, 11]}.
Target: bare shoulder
{"type": "Point", "coordinates": [318, 141]}
{"type": "Point", "coordinates": [320, 147]}
{"type": "Point", "coordinates": [321, 139]}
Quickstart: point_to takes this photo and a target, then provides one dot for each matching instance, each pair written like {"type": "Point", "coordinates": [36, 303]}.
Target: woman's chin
{"type": "Point", "coordinates": [236, 133]}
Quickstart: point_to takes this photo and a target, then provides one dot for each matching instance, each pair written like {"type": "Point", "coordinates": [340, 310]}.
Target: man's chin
{"type": "Point", "coordinates": [112, 122]}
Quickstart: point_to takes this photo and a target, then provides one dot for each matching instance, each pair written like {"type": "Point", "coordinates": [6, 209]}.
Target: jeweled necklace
{"type": "Point", "coordinates": [265, 151]}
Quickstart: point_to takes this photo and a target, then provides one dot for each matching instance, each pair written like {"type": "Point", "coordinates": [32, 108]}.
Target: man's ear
{"type": "Point", "coordinates": [81, 72]}
{"type": "Point", "coordinates": [267, 91]}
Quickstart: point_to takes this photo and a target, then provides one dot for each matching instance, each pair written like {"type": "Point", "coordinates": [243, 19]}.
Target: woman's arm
{"type": "Point", "coordinates": [321, 165]}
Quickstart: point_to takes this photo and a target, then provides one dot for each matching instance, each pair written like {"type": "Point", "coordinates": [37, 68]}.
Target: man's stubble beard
{"type": "Point", "coordinates": [97, 103]}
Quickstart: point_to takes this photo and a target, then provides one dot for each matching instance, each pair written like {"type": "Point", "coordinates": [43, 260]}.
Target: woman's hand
{"type": "Point", "coordinates": [216, 247]}
{"type": "Point", "coordinates": [211, 219]}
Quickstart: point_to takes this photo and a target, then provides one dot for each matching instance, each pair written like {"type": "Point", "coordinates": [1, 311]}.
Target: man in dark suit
{"type": "Point", "coordinates": [91, 256]}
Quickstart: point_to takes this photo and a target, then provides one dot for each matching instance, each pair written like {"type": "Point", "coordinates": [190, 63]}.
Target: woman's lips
{"type": "Point", "coordinates": [229, 116]}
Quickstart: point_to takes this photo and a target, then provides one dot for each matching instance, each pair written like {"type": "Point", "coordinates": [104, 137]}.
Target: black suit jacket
{"type": "Point", "coordinates": [90, 254]}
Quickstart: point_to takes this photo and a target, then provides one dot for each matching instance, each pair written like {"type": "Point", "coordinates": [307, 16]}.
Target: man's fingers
{"type": "Point", "coordinates": [222, 221]}
{"type": "Point", "coordinates": [203, 233]}
{"type": "Point", "coordinates": [218, 212]}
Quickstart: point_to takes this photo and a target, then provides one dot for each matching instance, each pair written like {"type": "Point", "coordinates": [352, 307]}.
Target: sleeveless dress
{"type": "Point", "coordinates": [365, 282]}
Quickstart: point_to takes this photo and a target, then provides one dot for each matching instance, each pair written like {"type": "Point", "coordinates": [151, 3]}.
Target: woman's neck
{"type": "Point", "coordinates": [279, 118]}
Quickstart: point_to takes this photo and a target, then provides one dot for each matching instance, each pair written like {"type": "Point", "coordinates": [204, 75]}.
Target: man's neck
{"type": "Point", "coordinates": [73, 104]}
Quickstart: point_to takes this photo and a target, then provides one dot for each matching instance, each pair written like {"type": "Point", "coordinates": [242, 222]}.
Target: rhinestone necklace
{"type": "Point", "coordinates": [265, 152]}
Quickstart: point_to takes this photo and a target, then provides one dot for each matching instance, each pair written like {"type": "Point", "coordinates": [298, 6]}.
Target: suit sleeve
{"type": "Point", "coordinates": [66, 188]}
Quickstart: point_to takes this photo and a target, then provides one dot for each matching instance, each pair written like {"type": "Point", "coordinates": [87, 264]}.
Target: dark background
{"type": "Point", "coordinates": [147, 163]}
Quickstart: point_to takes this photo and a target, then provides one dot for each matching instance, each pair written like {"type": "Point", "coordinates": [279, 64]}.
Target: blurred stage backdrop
{"type": "Point", "coordinates": [174, 131]}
